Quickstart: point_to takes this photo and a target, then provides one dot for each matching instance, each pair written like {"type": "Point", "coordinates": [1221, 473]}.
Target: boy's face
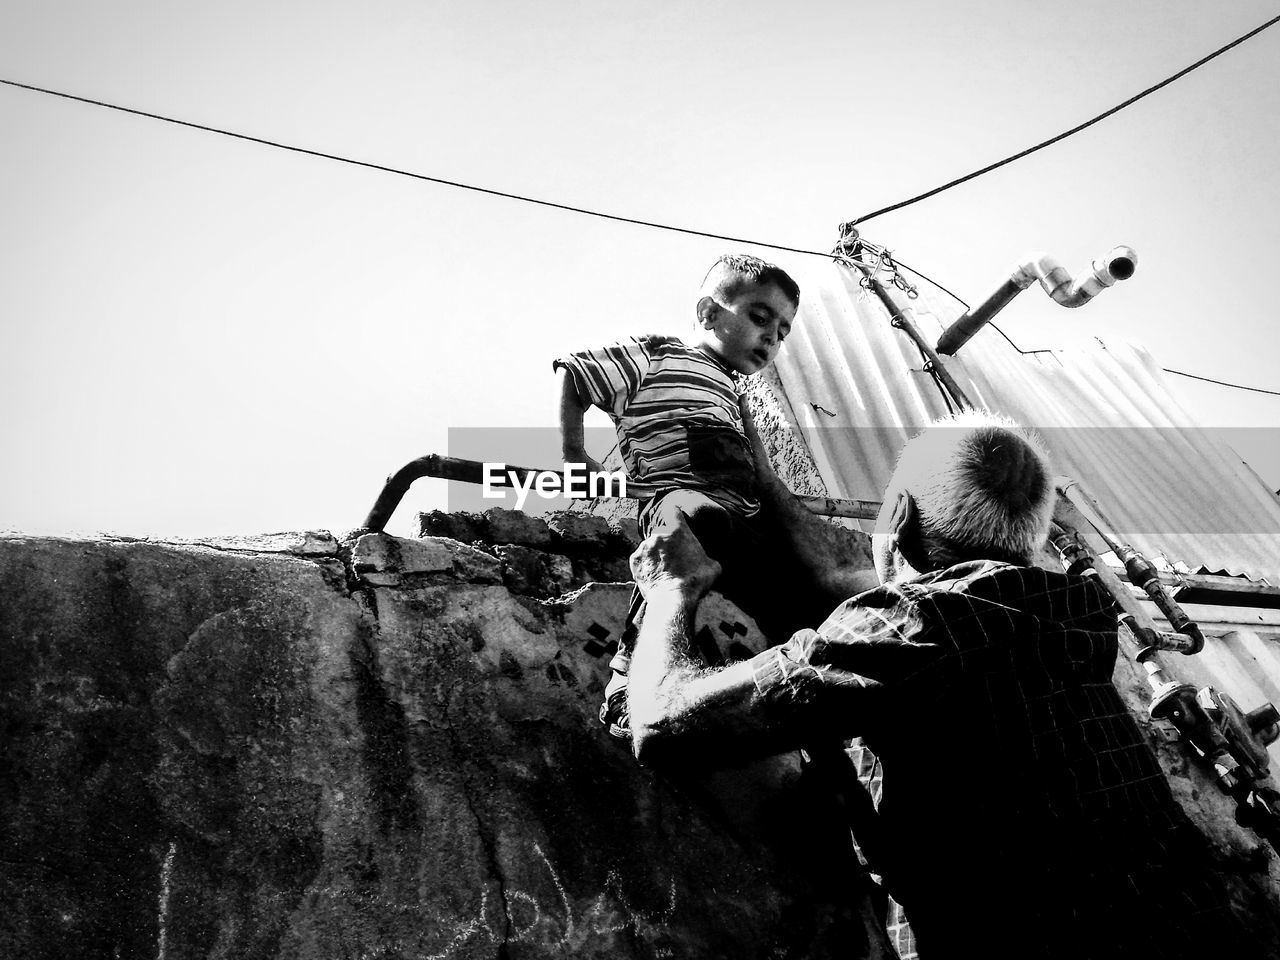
{"type": "Point", "coordinates": [746, 330]}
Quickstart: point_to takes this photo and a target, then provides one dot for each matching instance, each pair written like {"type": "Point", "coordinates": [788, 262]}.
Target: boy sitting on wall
{"type": "Point", "coordinates": [679, 412]}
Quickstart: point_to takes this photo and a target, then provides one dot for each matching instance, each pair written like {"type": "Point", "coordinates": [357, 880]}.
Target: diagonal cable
{"type": "Point", "coordinates": [408, 173]}
{"type": "Point", "coordinates": [1222, 383]}
{"type": "Point", "coordinates": [1076, 129]}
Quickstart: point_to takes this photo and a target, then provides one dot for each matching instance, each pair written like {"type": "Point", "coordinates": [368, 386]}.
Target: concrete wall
{"type": "Point", "coordinates": [287, 747]}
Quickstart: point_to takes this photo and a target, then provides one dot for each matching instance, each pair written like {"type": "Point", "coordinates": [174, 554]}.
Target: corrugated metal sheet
{"type": "Point", "coordinates": [1172, 489]}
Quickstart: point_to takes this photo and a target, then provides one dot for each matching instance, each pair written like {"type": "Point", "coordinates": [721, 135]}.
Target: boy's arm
{"type": "Point", "coordinates": [840, 571]}
{"type": "Point", "coordinates": [572, 410]}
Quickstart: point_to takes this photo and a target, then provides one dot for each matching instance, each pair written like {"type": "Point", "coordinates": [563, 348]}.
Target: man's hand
{"type": "Point", "coordinates": [759, 455]}
{"type": "Point", "coordinates": [673, 559]}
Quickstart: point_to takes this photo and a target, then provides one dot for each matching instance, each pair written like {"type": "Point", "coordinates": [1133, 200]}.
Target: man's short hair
{"type": "Point", "coordinates": [728, 274]}
{"type": "Point", "coordinates": [982, 486]}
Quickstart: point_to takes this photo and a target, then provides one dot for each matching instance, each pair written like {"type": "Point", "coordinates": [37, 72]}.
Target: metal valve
{"type": "Point", "coordinates": [1247, 734]}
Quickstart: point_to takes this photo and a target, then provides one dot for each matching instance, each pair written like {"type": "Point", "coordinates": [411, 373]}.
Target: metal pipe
{"type": "Point", "coordinates": [1118, 264]}
{"type": "Point", "coordinates": [472, 471]}
{"type": "Point", "coordinates": [1078, 559]}
{"type": "Point", "coordinates": [1141, 571]}
{"type": "Point", "coordinates": [903, 317]}
{"type": "Point", "coordinates": [1172, 700]}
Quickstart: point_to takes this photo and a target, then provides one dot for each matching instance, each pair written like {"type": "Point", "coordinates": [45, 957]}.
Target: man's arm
{"type": "Point", "coordinates": [871, 654]}
{"type": "Point", "coordinates": [838, 570]}
{"type": "Point", "coordinates": [572, 410]}
{"type": "Point", "coordinates": [677, 708]}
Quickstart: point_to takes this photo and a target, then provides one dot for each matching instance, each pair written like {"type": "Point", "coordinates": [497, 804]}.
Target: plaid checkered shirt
{"type": "Point", "coordinates": [1022, 812]}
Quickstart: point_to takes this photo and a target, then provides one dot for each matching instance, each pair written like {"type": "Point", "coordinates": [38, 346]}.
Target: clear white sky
{"type": "Point", "coordinates": [203, 336]}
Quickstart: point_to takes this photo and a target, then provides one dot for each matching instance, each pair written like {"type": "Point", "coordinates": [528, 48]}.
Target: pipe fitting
{"type": "Point", "coordinates": [1119, 263]}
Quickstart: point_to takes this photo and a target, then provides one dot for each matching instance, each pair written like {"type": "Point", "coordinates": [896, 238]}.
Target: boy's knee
{"type": "Point", "coordinates": [709, 521]}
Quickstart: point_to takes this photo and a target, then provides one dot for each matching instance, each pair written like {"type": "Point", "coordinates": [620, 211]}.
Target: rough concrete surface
{"type": "Point", "coordinates": [283, 747]}
{"type": "Point", "coordinates": [373, 751]}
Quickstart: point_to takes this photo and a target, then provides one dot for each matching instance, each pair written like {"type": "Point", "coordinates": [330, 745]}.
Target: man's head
{"type": "Point", "coordinates": [745, 310]}
{"type": "Point", "coordinates": [974, 486]}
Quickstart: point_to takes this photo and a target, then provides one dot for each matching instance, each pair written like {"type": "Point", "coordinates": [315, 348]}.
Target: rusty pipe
{"type": "Point", "coordinates": [903, 317]}
{"type": "Point", "coordinates": [1118, 264]}
{"type": "Point", "coordinates": [472, 471]}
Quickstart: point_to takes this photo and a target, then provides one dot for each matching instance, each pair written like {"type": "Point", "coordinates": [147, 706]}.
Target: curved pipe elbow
{"type": "Point", "coordinates": [1118, 264]}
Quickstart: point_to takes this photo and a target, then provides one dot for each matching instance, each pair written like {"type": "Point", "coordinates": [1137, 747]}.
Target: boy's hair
{"type": "Point", "coordinates": [983, 488]}
{"type": "Point", "coordinates": [728, 274]}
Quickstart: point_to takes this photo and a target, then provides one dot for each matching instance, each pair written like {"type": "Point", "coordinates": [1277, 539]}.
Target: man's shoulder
{"type": "Point", "coordinates": [889, 609]}
{"type": "Point", "coordinates": [994, 590]}
{"type": "Point", "coordinates": [985, 605]}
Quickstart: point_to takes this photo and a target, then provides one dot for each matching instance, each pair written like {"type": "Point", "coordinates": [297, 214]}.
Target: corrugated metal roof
{"type": "Point", "coordinates": [859, 390]}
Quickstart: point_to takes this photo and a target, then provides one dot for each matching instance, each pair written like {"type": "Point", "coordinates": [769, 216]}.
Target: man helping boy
{"type": "Point", "coordinates": [1024, 813]}
{"type": "Point", "coordinates": [679, 414]}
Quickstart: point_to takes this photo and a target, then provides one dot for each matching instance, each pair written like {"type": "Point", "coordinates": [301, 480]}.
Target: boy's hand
{"type": "Point", "coordinates": [580, 456]}
{"type": "Point", "coordinates": [672, 558]}
{"type": "Point", "coordinates": [572, 409]}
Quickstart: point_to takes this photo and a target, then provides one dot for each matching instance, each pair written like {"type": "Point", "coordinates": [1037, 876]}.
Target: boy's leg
{"type": "Point", "coordinates": [710, 522]}
{"type": "Point", "coordinates": [615, 714]}
{"type": "Point", "coordinates": [768, 583]}
{"type": "Point", "coordinates": [712, 525]}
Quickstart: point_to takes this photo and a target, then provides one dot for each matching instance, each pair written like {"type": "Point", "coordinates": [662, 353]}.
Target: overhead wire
{"type": "Point", "coordinates": [689, 231]}
{"type": "Point", "coordinates": [632, 220]}
{"type": "Point", "coordinates": [369, 165]}
{"type": "Point", "coordinates": [1222, 383]}
{"type": "Point", "coordinates": [1181, 373]}
{"type": "Point", "coordinates": [1009, 339]}
{"type": "Point", "coordinates": [384, 168]}
{"type": "Point", "coordinates": [1067, 133]}
{"type": "Point", "coordinates": [956, 297]}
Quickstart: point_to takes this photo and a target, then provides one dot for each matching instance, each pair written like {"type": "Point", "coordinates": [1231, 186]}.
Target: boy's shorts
{"type": "Point", "coordinates": [760, 573]}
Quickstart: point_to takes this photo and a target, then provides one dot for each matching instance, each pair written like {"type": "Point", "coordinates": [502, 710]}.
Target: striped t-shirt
{"type": "Point", "coordinates": [676, 412]}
